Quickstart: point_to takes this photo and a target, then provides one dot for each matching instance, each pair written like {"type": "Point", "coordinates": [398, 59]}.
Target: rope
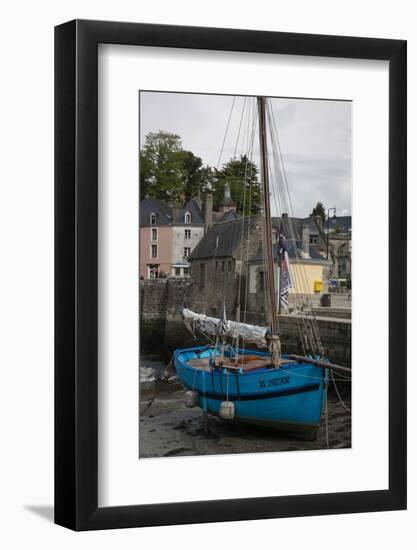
{"type": "Point", "coordinates": [326, 415]}
{"type": "Point", "coordinates": [225, 134]}
{"type": "Point", "coordinates": [283, 203]}
{"type": "Point", "coordinates": [338, 394]}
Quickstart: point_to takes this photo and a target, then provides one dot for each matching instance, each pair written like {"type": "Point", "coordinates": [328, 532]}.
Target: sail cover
{"type": "Point", "coordinates": [251, 334]}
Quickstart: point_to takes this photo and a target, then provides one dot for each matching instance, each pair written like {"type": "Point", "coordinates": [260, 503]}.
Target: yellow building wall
{"type": "Point", "coordinates": [303, 277]}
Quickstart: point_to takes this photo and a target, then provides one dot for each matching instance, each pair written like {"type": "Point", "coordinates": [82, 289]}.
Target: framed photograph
{"type": "Point", "coordinates": [230, 229]}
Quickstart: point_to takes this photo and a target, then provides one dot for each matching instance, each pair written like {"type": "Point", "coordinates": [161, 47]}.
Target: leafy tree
{"type": "Point", "coordinates": [167, 171]}
{"type": "Point", "coordinates": [242, 176]}
{"type": "Point", "coordinates": [160, 166]}
{"type": "Point", "coordinates": [170, 173]}
{"type": "Point", "coordinates": [192, 170]}
{"type": "Point", "coordinates": [319, 210]}
{"type": "Point", "coordinates": [337, 229]}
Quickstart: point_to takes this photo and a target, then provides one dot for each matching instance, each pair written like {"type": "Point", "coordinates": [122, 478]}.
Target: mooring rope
{"type": "Point", "coordinates": [338, 394]}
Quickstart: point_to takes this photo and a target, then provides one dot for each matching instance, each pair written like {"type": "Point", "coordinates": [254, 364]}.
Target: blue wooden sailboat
{"type": "Point", "coordinates": [289, 398]}
{"type": "Point", "coordinates": [247, 384]}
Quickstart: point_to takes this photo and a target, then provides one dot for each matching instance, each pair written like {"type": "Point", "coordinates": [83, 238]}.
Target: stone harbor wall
{"type": "Point", "coordinates": [335, 335]}
{"type": "Point", "coordinates": [162, 329]}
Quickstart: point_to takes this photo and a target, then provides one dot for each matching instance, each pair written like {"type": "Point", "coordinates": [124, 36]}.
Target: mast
{"type": "Point", "coordinates": [271, 292]}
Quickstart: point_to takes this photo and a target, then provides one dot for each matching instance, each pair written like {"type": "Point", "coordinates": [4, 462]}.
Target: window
{"type": "Point", "coordinates": [261, 279]}
{"type": "Point", "coordinates": [217, 265]}
{"type": "Point", "coordinates": [187, 217]}
{"type": "Point", "coordinates": [154, 234]}
{"type": "Point", "coordinates": [313, 239]}
{"type": "Point", "coordinates": [202, 275]}
{"type": "Point", "coordinates": [187, 233]}
{"type": "Point", "coordinates": [154, 271]}
{"type": "Point", "coordinates": [154, 251]}
{"type": "Point", "coordinates": [177, 271]}
{"type": "Point", "coordinates": [153, 219]}
{"type": "Point", "coordinates": [187, 251]}
{"type": "Point", "coordinates": [230, 266]}
{"type": "Point", "coordinates": [223, 266]}
{"type": "Point", "coordinates": [186, 271]}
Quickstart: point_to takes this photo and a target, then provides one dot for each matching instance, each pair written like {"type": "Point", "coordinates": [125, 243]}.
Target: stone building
{"type": "Point", "coordinates": [340, 247]}
{"type": "Point", "coordinates": [228, 263]}
{"type": "Point", "coordinates": [218, 263]}
{"type": "Point", "coordinates": [341, 255]}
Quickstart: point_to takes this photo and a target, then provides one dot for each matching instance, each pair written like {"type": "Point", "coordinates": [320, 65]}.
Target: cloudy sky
{"type": "Point", "coordinates": [315, 139]}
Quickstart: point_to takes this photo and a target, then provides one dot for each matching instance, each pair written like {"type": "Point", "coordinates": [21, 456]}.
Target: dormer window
{"type": "Point", "coordinates": [153, 219]}
{"type": "Point", "coordinates": [187, 217]}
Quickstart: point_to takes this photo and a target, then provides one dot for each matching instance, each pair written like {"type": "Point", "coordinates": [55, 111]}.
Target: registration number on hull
{"type": "Point", "coordinates": [273, 382]}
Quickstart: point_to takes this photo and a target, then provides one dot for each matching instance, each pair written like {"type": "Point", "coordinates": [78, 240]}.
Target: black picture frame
{"type": "Point", "coordinates": [76, 272]}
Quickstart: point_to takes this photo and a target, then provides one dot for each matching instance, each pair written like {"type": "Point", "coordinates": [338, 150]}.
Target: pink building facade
{"type": "Point", "coordinates": [155, 251]}
{"type": "Point", "coordinates": [168, 234]}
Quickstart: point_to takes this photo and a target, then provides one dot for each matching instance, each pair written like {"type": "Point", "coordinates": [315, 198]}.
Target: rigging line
{"type": "Point", "coordinates": [248, 160]}
{"type": "Point", "coordinates": [246, 137]}
{"type": "Point", "coordinates": [225, 134]}
{"type": "Point", "coordinates": [240, 125]}
{"type": "Point", "coordinates": [247, 153]}
{"type": "Point", "coordinates": [327, 424]}
{"type": "Point", "coordinates": [338, 394]}
{"type": "Point", "coordinates": [303, 272]}
{"type": "Point", "coordinates": [277, 167]}
{"type": "Point", "coordinates": [247, 273]}
{"type": "Point", "coordinates": [310, 331]}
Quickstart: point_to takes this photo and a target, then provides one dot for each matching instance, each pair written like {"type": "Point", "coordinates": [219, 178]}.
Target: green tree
{"type": "Point", "coordinates": [160, 167]}
{"type": "Point", "coordinates": [192, 170]}
{"type": "Point", "coordinates": [242, 176]}
{"type": "Point", "coordinates": [319, 210]}
{"type": "Point", "coordinates": [167, 171]}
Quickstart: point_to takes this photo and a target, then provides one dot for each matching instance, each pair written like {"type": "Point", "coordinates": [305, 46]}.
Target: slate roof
{"type": "Point", "coordinates": [344, 222]}
{"type": "Point", "coordinates": [225, 216]}
{"type": "Point", "coordinates": [292, 249]}
{"type": "Point", "coordinates": [297, 228]}
{"type": "Point", "coordinates": [166, 215]}
{"type": "Point", "coordinates": [150, 206]}
{"type": "Point", "coordinates": [196, 214]}
{"type": "Point", "coordinates": [222, 239]}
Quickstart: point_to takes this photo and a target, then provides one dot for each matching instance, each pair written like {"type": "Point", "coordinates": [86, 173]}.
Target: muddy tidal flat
{"type": "Point", "coordinates": [169, 428]}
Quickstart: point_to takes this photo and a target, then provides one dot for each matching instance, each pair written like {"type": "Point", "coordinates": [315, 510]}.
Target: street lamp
{"type": "Point", "coordinates": [328, 223]}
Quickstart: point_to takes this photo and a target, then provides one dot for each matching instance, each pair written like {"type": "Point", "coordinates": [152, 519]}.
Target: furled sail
{"type": "Point", "coordinates": [251, 334]}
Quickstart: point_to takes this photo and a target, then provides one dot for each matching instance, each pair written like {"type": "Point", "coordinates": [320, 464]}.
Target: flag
{"type": "Point", "coordinates": [222, 324]}
{"type": "Point", "coordinates": [285, 278]}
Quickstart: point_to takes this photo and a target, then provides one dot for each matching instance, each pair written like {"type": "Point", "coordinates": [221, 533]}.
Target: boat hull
{"type": "Point", "coordinates": [289, 399]}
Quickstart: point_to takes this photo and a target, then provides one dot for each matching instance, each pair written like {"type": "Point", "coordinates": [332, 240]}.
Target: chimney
{"type": "Point", "coordinates": [175, 209]}
{"type": "Point", "coordinates": [305, 240]}
{"type": "Point", "coordinates": [197, 199]}
{"type": "Point", "coordinates": [208, 212]}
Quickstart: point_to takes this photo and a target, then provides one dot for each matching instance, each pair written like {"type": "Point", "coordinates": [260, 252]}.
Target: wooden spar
{"type": "Point", "coordinates": [272, 310]}
{"type": "Point", "coordinates": [318, 363]}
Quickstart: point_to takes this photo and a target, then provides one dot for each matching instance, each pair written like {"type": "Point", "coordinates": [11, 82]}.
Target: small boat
{"type": "Point", "coordinates": [257, 384]}
{"type": "Point", "coordinates": [288, 397]}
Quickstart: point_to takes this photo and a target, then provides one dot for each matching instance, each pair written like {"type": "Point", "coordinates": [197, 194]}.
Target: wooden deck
{"type": "Point", "coordinates": [245, 362]}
